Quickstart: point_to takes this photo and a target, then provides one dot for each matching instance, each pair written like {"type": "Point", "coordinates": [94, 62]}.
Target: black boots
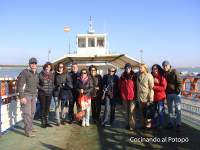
{"type": "Point", "coordinates": [43, 125]}
{"type": "Point", "coordinates": [44, 122]}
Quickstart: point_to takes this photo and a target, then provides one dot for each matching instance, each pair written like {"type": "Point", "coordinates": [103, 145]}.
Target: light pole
{"type": "Point", "coordinates": [141, 55]}
{"type": "Point", "coordinates": [49, 52]}
{"type": "Point", "coordinates": [67, 29]}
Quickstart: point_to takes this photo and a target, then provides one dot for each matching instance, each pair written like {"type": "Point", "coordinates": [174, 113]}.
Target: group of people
{"type": "Point", "coordinates": [89, 90]}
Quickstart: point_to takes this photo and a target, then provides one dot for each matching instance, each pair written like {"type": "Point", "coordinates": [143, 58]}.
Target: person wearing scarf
{"type": "Point", "coordinates": [45, 91]}
{"type": "Point", "coordinates": [84, 89]}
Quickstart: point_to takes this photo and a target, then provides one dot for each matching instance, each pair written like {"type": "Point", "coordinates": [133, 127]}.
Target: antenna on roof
{"type": "Point", "coordinates": [91, 30]}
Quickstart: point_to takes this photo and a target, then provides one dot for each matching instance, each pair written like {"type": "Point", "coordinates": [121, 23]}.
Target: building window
{"type": "Point", "coordinates": [81, 42]}
{"type": "Point", "coordinates": [91, 42]}
{"type": "Point", "coordinates": [100, 42]}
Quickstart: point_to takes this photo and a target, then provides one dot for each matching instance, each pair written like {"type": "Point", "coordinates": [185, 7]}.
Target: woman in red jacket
{"type": "Point", "coordinates": [160, 85]}
{"type": "Point", "coordinates": [128, 94]}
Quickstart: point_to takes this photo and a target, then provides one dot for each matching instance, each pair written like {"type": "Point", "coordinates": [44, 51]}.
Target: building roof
{"type": "Point", "coordinates": [118, 60]}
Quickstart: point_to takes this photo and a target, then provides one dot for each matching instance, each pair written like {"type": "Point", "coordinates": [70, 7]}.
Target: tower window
{"type": "Point", "coordinates": [100, 42]}
{"type": "Point", "coordinates": [91, 42]}
{"type": "Point", "coordinates": [81, 42]}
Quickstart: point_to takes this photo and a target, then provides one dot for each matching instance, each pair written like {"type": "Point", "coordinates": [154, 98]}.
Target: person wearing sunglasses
{"type": "Point", "coordinates": [27, 84]}
{"type": "Point", "coordinates": [84, 89]}
{"type": "Point", "coordinates": [96, 93]}
{"type": "Point", "coordinates": [110, 94]}
{"type": "Point", "coordinates": [61, 94]}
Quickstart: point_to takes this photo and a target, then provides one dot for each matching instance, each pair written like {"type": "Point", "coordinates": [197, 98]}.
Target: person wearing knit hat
{"type": "Point", "coordinates": [127, 65]}
{"type": "Point", "coordinates": [173, 94]}
{"type": "Point", "coordinates": [165, 63]}
{"type": "Point", "coordinates": [127, 88]}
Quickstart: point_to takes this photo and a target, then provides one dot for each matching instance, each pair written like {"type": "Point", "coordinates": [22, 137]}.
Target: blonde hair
{"type": "Point", "coordinates": [145, 67]}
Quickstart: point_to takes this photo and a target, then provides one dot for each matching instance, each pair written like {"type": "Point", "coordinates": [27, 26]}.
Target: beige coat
{"type": "Point", "coordinates": [145, 84]}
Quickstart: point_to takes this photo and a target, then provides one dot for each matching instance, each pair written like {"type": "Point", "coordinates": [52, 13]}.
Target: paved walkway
{"type": "Point", "coordinates": [74, 137]}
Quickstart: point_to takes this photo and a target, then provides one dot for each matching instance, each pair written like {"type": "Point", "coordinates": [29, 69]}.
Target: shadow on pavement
{"type": "Point", "coordinates": [51, 147]}
{"type": "Point", "coordinates": [118, 138]}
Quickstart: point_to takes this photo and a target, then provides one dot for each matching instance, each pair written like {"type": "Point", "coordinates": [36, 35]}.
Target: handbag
{"type": "Point", "coordinates": [80, 115]}
{"type": "Point", "coordinates": [84, 101]}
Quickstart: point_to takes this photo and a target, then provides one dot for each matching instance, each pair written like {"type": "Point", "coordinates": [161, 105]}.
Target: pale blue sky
{"type": "Point", "coordinates": [164, 29]}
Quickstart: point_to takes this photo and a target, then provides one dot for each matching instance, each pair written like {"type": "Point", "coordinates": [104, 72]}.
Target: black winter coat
{"type": "Point", "coordinates": [87, 87]}
{"type": "Point", "coordinates": [46, 83]}
{"type": "Point", "coordinates": [69, 82]}
{"type": "Point", "coordinates": [74, 78]}
{"type": "Point", "coordinates": [173, 82]}
{"type": "Point", "coordinates": [111, 82]}
{"type": "Point", "coordinates": [97, 82]}
{"type": "Point", "coordinates": [59, 83]}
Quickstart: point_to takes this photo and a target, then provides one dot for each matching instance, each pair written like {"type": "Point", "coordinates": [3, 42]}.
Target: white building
{"type": "Point", "coordinates": [92, 49]}
{"type": "Point", "coordinates": [91, 43]}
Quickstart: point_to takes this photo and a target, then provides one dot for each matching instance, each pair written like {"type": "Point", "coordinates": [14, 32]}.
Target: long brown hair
{"type": "Point", "coordinates": [64, 67]}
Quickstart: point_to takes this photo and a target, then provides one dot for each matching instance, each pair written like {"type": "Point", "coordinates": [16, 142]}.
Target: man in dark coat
{"type": "Point", "coordinates": [74, 76]}
{"type": "Point", "coordinates": [173, 92]}
{"type": "Point", "coordinates": [27, 85]}
{"type": "Point", "coordinates": [111, 93]}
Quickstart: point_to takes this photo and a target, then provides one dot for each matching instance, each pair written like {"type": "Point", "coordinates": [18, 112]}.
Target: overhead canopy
{"type": "Point", "coordinates": [118, 60]}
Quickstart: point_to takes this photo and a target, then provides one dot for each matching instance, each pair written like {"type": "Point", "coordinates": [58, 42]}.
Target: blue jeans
{"type": "Point", "coordinates": [158, 119]}
{"type": "Point", "coordinates": [177, 101]}
{"type": "Point", "coordinates": [109, 109]}
{"type": "Point", "coordinates": [60, 105]}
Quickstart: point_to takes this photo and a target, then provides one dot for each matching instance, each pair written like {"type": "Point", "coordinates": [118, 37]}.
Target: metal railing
{"type": "Point", "coordinates": [190, 87]}
{"type": "Point", "coordinates": [10, 112]}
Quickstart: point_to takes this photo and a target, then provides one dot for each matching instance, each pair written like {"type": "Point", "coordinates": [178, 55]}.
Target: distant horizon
{"type": "Point", "coordinates": [24, 65]}
{"type": "Point", "coordinates": [165, 30]}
